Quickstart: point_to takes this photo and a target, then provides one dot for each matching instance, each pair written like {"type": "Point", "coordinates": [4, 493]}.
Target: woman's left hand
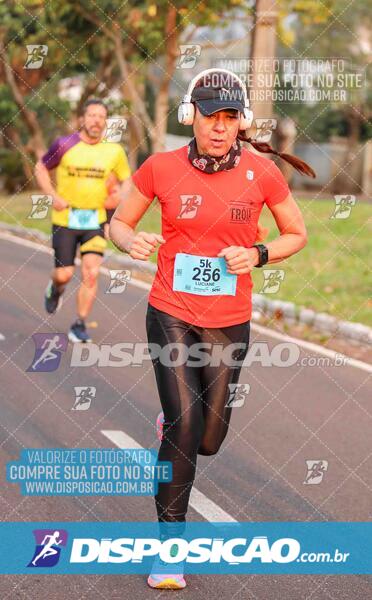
{"type": "Point", "coordinates": [239, 260]}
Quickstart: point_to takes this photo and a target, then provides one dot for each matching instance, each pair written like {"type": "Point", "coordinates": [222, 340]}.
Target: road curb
{"type": "Point", "coordinates": [292, 314]}
{"type": "Point", "coordinates": [283, 310]}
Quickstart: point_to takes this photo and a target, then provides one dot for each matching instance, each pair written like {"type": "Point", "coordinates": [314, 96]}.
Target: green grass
{"type": "Point", "coordinates": [330, 274]}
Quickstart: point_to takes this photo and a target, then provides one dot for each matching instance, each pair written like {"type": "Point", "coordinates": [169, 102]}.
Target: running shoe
{"type": "Point", "coordinates": [166, 582]}
{"type": "Point", "coordinates": [161, 580]}
{"type": "Point", "coordinates": [78, 332]}
{"type": "Point", "coordinates": [159, 426]}
{"type": "Point", "coordinates": [52, 298]}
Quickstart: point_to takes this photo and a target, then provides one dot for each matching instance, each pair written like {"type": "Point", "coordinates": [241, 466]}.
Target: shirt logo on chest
{"type": "Point", "coordinates": [189, 206]}
{"type": "Point", "coordinates": [240, 212]}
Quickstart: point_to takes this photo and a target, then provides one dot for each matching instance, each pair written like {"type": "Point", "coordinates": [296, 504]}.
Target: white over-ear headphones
{"type": "Point", "coordinates": [186, 110]}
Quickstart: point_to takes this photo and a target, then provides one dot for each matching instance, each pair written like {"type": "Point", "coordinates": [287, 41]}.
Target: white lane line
{"type": "Point", "coordinates": [198, 501]}
{"type": "Point", "coordinates": [121, 439]}
{"type": "Point", "coordinates": [349, 362]}
{"type": "Point", "coordinates": [27, 243]}
{"type": "Point", "coordinates": [46, 250]}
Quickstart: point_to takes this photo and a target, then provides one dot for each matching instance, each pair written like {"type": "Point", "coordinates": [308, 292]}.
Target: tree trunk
{"type": "Point", "coordinates": [12, 140]}
{"type": "Point", "coordinates": [102, 76]}
{"type": "Point", "coordinates": [263, 47]}
{"type": "Point", "coordinates": [130, 91]}
{"type": "Point", "coordinates": [162, 98]}
{"type": "Point", "coordinates": [129, 87]}
{"type": "Point", "coordinates": [347, 179]}
{"type": "Point", "coordinates": [286, 136]}
{"type": "Point", "coordinates": [28, 116]}
{"type": "Point", "coordinates": [135, 144]}
{"type": "Point", "coordinates": [161, 118]}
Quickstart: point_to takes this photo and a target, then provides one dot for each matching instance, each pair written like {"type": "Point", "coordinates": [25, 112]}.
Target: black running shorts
{"type": "Point", "coordinates": [65, 243]}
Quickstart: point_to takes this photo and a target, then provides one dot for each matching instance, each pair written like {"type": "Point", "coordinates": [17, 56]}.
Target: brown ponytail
{"type": "Point", "coordinates": [297, 163]}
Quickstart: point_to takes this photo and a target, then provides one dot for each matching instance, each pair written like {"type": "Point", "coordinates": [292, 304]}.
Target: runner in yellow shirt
{"type": "Point", "coordinates": [86, 166]}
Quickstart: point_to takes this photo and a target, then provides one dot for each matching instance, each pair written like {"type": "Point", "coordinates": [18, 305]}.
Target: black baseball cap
{"type": "Point", "coordinates": [212, 99]}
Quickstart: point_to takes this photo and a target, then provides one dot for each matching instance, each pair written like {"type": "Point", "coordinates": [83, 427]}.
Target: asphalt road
{"type": "Point", "coordinates": [291, 415]}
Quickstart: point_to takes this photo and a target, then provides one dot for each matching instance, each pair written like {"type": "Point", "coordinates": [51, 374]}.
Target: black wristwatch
{"type": "Point", "coordinates": [263, 254]}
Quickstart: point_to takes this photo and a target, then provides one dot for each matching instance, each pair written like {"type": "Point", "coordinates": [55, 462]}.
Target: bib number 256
{"type": "Point", "coordinates": [205, 273]}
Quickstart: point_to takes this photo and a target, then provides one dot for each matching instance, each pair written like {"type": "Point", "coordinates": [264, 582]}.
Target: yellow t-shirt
{"type": "Point", "coordinates": [82, 170]}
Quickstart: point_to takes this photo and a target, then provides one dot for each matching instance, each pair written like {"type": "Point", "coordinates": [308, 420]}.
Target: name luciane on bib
{"type": "Point", "coordinates": [202, 275]}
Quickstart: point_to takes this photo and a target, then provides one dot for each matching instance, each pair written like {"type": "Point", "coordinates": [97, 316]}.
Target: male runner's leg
{"type": "Point", "coordinates": [90, 266]}
{"type": "Point", "coordinates": [64, 242]}
{"type": "Point", "coordinates": [92, 245]}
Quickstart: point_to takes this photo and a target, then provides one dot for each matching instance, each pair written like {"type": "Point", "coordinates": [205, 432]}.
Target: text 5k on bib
{"type": "Point", "coordinates": [202, 275]}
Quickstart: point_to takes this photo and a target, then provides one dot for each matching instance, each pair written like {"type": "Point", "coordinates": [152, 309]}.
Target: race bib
{"type": "Point", "coordinates": [81, 218]}
{"type": "Point", "coordinates": [202, 275]}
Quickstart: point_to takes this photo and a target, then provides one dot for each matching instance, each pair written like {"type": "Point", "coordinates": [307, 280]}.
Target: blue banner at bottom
{"type": "Point", "coordinates": [200, 548]}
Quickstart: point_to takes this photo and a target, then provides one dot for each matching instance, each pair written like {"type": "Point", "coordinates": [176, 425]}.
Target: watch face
{"type": "Point", "coordinates": [265, 255]}
{"type": "Point", "coordinates": [263, 252]}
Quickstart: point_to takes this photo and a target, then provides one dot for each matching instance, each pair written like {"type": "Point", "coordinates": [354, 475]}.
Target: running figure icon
{"type": "Point", "coordinates": [84, 397]}
{"type": "Point", "coordinates": [48, 346]}
{"type": "Point", "coordinates": [48, 549]}
{"type": "Point", "coordinates": [315, 471]}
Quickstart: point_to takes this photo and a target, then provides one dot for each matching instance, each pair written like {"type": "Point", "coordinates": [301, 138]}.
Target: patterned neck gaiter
{"type": "Point", "coordinates": [209, 164]}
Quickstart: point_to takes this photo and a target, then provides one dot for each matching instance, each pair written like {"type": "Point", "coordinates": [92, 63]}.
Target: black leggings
{"type": "Point", "coordinates": [193, 399]}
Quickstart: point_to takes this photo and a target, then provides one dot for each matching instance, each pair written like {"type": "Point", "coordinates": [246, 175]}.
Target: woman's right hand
{"type": "Point", "coordinates": [59, 203]}
{"type": "Point", "coordinates": [144, 244]}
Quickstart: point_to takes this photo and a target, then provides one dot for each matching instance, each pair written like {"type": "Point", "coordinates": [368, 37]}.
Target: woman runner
{"type": "Point", "coordinates": [211, 194]}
